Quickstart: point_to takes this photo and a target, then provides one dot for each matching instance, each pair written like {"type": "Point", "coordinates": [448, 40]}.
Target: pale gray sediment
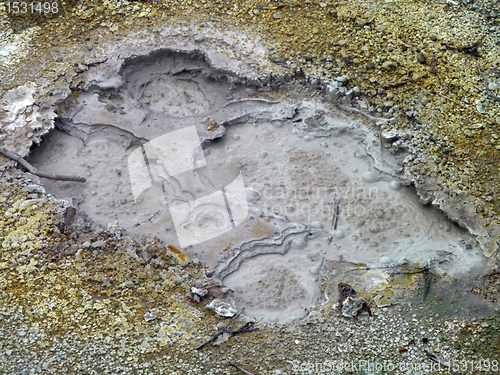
{"type": "Point", "coordinates": [295, 156]}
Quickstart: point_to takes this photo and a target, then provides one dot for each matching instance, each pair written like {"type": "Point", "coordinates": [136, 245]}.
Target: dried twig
{"type": "Point", "coordinates": [240, 369]}
{"type": "Point", "coordinates": [435, 358]}
{"type": "Point", "coordinates": [248, 327]}
{"type": "Point", "coordinates": [359, 112]}
{"type": "Point", "coordinates": [470, 49]}
{"type": "Point", "coordinates": [486, 84]}
{"type": "Point", "coordinates": [336, 211]}
{"type": "Point", "coordinates": [393, 270]}
{"type": "Point", "coordinates": [330, 239]}
{"type": "Point", "coordinates": [467, 107]}
{"type": "Point", "coordinates": [35, 171]}
{"type": "Point", "coordinates": [20, 261]}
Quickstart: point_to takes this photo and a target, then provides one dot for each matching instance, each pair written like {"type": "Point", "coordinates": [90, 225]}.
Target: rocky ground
{"type": "Point", "coordinates": [87, 301]}
{"type": "Point", "coordinates": [83, 299]}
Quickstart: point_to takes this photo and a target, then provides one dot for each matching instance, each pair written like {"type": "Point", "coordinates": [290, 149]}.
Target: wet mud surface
{"type": "Point", "coordinates": [298, 160]}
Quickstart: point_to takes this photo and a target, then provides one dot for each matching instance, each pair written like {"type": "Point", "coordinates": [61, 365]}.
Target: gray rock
{"type": "Point", "coordinates": [150, 316]}
{"type": "Point", "coordinates": [222, 308]}
{"type": "Point", "coordinates": [352, 306]}
{"type": "Point", "coordinates": [99, 243]}
{"type": "Point", "coordinates": [35, 188]}
{"type": "Point", "coordinates": [198, 293]}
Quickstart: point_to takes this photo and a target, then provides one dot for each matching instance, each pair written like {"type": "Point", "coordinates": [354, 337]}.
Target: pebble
{"type": "Point", "coordinates": [421, 58]}
{"type": "Point", "coordinates": [99, 243]}
{"type": "Point", "coordinates": [389, 65]}
{"type": "Point", "coordinates": [35, 188]}
{"type": "Point", "coordinates": [150, 316]}
{"type": "Point", "coordinates": [479, 107]}
{"type": "Point", "coordinates": [127, 284]}
{"type": "Point", "coordinates": [222, 308]}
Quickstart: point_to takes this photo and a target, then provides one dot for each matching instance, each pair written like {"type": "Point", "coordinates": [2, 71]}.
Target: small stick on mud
{"type": "Point", "coordinates": [248, 327]}
{"type": "Point", "coordinates": [361, 113]}
{"type": "Point", "coordinates": [35, 171]}
{"type": "Point", "coordinates": [381, 145]}
{"type": "Point", "coordinates": [336, 210]}
{"type": "Point", "coordinates": [466, 107]}
{"type": "Point", "coordinates": [240, 369]}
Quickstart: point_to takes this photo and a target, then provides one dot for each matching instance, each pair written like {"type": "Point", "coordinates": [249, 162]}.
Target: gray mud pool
{"type": "Point", "coordinates": [272, 194]}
